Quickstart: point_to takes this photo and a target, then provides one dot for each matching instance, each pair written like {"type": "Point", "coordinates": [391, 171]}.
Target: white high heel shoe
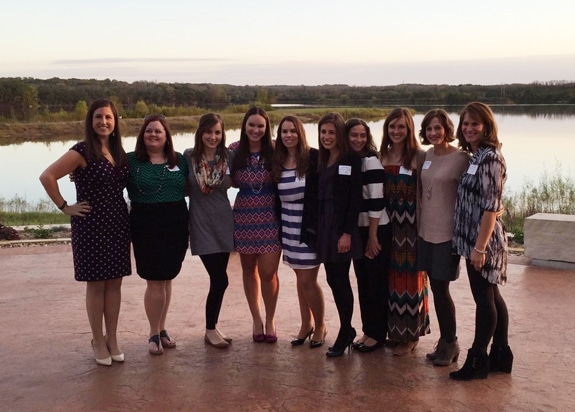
{"type": "Point", "coordinates": [104, 361]}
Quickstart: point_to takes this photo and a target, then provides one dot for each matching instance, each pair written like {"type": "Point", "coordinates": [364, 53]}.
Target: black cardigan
{"type": "Point", "coordinates": [347, 194]}
{"type": "Point", "coordinates": [308, 233]}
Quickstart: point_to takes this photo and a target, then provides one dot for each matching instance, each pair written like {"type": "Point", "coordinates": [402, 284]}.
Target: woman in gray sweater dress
{"type": "Point", "coordinates": [211, 218]}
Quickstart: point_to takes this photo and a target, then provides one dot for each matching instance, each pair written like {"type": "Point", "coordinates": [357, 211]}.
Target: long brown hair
{"type": "Point", "coordinates": [341, 138]}
{"type": "Point", "coordinates": [92, 140]}
{"type": "Point", "coordinates": [243, 152]}
{"type": "Point", "coordinates": [206, 122]}
{"type": "Point", "coordinates": [370, 149]}
{"type": "Point", "coordinates": [281, 152]}
{"type": "Point", "coordinates": [141, 152]}
{"type": "Point", "coordinates": [410, 147]}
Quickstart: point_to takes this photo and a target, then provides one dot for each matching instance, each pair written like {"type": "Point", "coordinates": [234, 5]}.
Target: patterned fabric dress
{"type": "Point", "coordinates": [480, 189]}
{"type": "Point", "coordinates": [101, 239]}
{"type": "Point", "coordinates": [291, 190]}
{"type": "Point", "coordinates": [408, 294]}
{"type": "Point", "coordinates": [256, 227]}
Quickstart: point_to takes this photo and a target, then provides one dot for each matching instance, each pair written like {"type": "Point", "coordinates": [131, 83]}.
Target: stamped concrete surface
{"type": "Point", "coordinates": [47, 363]}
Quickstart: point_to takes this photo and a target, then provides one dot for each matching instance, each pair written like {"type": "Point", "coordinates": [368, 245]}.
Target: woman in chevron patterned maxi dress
{"type": "Point", "coordinates": [408, 304]}
{"type": "Point", "coordinates": [158, 221]}
{"type": "Point", "coordinates": [256, 223]}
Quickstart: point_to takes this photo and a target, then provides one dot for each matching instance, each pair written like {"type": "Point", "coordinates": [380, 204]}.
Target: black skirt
{"type": "Point", "coordinates": [160, 238]}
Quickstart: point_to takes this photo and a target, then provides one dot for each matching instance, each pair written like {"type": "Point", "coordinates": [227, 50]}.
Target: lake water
{"type": "Point", "coordinates": [532, 145]}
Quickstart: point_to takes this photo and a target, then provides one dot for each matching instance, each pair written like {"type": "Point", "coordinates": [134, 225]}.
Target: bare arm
{"type": "Point", "coordinates": [60, 168]}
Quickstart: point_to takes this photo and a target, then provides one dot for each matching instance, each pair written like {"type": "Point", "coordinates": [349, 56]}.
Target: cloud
{"type": "Point", "coordinates": [132, 61]}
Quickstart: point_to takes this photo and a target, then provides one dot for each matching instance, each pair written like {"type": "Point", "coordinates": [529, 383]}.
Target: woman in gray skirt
{"type": "Point", "coordinates": [437, 191]}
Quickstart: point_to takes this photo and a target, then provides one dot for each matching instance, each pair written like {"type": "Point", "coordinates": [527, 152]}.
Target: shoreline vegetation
{"type": "Point", "coordinates": [48, 131]}
{"type": "Point", "coordinates": [54, 109]}
{"type": "Point", "coordinates": [553, 193]}
{"type": "Point", "coordinates": [44, 117]}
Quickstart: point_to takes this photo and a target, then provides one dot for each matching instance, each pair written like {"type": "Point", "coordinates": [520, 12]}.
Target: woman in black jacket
{"type": "Point", "coordinates": [338, 234]}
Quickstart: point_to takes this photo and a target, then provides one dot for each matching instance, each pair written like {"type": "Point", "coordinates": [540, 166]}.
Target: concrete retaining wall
{"type": "Point", "coordinates": [550, 240]}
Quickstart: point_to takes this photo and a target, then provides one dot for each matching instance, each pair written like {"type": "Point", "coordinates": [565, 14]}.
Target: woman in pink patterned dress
{"type": "Point", "coordinates": [256, 224]}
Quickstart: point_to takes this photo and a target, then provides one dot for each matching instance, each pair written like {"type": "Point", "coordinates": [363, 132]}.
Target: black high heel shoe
{"type": "Point", "coordinates": [363, 348]}
{"type": "Point", "coordinates": [317, 343]}
{"type": "Point", "coordinates": [301, 341]}
{"type": "Point", "coordinates": [343, 342]}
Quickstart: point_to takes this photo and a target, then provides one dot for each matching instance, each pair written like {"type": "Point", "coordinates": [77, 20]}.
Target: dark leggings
{"type": "Point", "coordinates": [338, 280]}
{"type": "Point", "coordinates": [216, 264]}
{"type": "Point", "coordinates": [491, 316]}
{"type": "Point", "coordinates": [444, 308]}
{"type": "Point", "coordinates": [372, 285]}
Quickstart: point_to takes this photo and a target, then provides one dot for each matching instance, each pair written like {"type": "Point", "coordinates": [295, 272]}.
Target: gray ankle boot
{"type": "Point", "coordinates": [449, 354]}
{"type": "Point", "coordinates": [437, 349]}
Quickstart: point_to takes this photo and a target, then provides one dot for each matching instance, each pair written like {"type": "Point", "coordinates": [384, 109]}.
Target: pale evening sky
{"type": "Point", "coordinates": [359, 43]}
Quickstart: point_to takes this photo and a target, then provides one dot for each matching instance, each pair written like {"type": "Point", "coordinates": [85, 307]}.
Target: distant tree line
{"type": "Point", "coordinates": [29, 99]}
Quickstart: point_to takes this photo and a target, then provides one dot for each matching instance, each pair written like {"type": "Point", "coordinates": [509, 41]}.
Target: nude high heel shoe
{"type": "Point", "coordinates": [104, 361]}
{"type": "Point", "coordinates": [115, 358]}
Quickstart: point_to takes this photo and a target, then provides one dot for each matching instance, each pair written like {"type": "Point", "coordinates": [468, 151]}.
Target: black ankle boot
{"type": "Point", "coordinates": [476, 366]}
{"type": "Point", "coordinates": [500, 359]}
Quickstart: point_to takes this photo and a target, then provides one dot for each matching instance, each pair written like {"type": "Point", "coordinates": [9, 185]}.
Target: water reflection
{"type": "Point", "coordinates": [533, 143]}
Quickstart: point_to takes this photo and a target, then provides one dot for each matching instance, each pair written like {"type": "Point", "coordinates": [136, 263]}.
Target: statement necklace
{"type": "Point", "coordinates": [159, 189]}
{"type": "Point", "coordinates": [256, 169]}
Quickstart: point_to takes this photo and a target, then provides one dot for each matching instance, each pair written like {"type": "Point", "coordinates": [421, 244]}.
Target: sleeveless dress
{"type": "Point", "coordinates": [296, 255]}
{"type": "Point", "coordinates": [256, 226]}
{"type": "Point", "coordinates": [158, 217]}
{"type": "Point", "coordinates": [408, 294]}
{"type": "Point", "coordinates": [101, 239]}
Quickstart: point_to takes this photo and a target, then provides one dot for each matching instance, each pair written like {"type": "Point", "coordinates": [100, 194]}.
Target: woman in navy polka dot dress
{"type": "Point", "coordinates": [99, 220]}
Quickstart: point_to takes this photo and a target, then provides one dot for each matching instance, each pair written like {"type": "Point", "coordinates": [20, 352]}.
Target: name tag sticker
{"type": "Point", "coordinates": [174, 169]}
{"type": "Point", "coordinates": [404, 171]}
{"type": "Point", "coordinates": [426, 164]}
{"type": "Point", "coordinates": [472, 170]}
{"type": "Point", "coordinates": [344, 170]}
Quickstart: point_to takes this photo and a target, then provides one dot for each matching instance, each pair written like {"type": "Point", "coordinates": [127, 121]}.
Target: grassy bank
{"type": "Point", "coordinates": [15, 132]}
{"type": "Point", "coordinates": [33, 218]}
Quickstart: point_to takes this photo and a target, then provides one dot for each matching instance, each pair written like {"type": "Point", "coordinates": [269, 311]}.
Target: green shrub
{"type": "Point", "coordinates": [42, 232]}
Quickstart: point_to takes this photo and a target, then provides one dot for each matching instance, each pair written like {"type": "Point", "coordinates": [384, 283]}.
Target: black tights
{"type": "Point", "coordinates": [444, 308]}
{"type": "Point", "coordinates": [338, 280]}
{"type": "Point", "coordinates": [491, 316]}
{"type": "Point", "coordinates": [216, 264]}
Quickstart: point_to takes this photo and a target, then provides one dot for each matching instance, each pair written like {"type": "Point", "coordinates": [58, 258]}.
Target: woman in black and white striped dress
{"type": "Point", "coordinates": [295, 170]}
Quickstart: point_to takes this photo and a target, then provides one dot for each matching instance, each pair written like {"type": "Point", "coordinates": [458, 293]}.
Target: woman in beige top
{"type": "Point", "coordinates": [439, 179]}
